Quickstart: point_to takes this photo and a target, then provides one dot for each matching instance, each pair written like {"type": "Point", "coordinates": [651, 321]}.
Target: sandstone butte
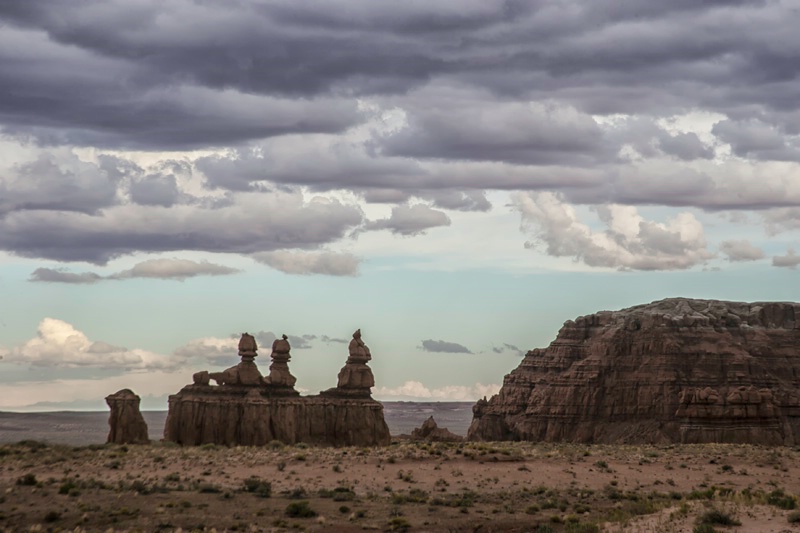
{"type": "Point", "coordinates": [247, 408]}
{"type": "Point", "coordinates": [673, 371]}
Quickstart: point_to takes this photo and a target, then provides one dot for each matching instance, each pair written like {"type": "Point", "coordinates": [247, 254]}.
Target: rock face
{"type": "Point", "coordinates": [246, 372]}
{"type": "Point", "coordinates": [430, 431]}
{"type": "Point", "coordinates": [676, 370]}
{"type": "Point", "coordinates": [279, 375]}
{"type": "Point", "coordinates": [126, 421]}
{"type": "Point", "coordinates": [239, 412]}
{"type": "Point", "coordinates": [355, 377]}
{"type": "Point", "coordinates": [237, 416]}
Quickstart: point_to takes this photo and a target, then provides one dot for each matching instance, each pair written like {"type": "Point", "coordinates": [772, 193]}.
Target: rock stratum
{"type": "Point", "coordinates": [673, 371]}
{"type": "Point", "coordinates": [246, 408]}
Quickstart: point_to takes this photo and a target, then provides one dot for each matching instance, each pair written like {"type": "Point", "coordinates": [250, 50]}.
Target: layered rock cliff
{"type": "Point", "coordinates": [250, 416]}
{"type": "Point", "coordinates": [675, 370]}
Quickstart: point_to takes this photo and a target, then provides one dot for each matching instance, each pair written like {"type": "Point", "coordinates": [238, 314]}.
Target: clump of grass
{"type": "Point", "coordinates": [208, 488]}
{"type": "Point", "coordinates": [399, 524]}
{"type": "Point", "coordinates": [258, 486]}
{"type": "Point", "coordinates": [793, 517]}
{"type": "Point", "coordinates": [412, 496]}
{"type": "Point", "coordinates": [717, 517]}
{"type": "Point", "coordinates": [781, 500]}
{"type": "Point", "coordinates": [301, 509]}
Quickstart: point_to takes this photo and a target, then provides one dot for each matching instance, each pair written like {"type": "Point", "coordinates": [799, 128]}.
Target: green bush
{"type": "Point", "coordinates": [715, 517]}
{"type": "Point", "coordinates": [258, 486]}
{"type": "Point", "coordinates": [300, 509]}
{"type": "Point", "coordinates": [794, 517]}
{"type": "Point", "coordinates": [781, 500]}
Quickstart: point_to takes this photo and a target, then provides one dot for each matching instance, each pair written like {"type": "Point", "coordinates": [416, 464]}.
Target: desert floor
{"type": "Point", "coordinates": [407, 486]}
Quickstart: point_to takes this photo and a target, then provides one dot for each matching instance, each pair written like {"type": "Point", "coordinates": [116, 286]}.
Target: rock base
{"type": "Point", "coordinates": [254, 416]}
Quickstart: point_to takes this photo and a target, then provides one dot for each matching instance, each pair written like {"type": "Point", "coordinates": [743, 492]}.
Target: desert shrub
{"type": "Point", "coordinates": [582, 527]}
{"type": "Point", "coordinates": [704, 528]}
{"type": "Point", "coordinates": [52, 516]}
{"type": "Point", "coordinates": [543, 528]}
{"type": "Point", "coordinates": [399, 524]}
{"type": "Point", "coordinates": [716, 517]}
{"type": "Point", "coordinates": [413, 496]}
{"type": "Point", "coordinates": [344, 509]}
{"type": "Point", "coordinates": [300, 509]}
{"type": "Point", "coordinates": [463, 500]}
{"type": "Point", "coordinates": [781, 500]}
{"type": "Point", "coordinates": [793, 517]}
{"type": "Point", "coordinates": [27, 479]}
{"type": "Point", "coordinates": [33, 445]}
{"type": "Point", "coordinates": [343, 494]}
{"type": "Point", "coordinates": [67, 487]}
{"type": "Point", "coordinates": [258, 486]}
{"type": "Point", "coordinates": [208, 488]}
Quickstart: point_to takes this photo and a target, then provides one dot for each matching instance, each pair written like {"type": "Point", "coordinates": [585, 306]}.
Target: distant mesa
{"type": "Point", "coordinates": [245, 408]}
{"type": "Point", "coordinates": [673, 371]}
{"type": "Point", "coordinates": [430, 431]}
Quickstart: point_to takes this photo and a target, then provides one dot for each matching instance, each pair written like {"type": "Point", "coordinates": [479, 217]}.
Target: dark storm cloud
{"type": "Point", "coordinates": [756, 139]}
{"type": "Point", "coordinates": [522, 133]}
{"type": "Point", "coordinates": [253, 223]}
{"type": "Point", "coordinates": [58, 182]}
{"type": "Point", "coordinates": [155, 190]}
{"type": "Point", "coordinates": [200, 74]}
{"type": "Point", "coordinates": [430, 345]}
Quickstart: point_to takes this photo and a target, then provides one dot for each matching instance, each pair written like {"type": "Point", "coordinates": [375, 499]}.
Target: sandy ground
{"type": "Point", "coordinates": [403, 487]}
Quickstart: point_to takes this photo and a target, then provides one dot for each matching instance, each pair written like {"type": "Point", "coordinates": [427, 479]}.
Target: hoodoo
{"type": "Point", "coordinates": [246, 408]}
{"type": "Point", "coordinates": [675, 370]}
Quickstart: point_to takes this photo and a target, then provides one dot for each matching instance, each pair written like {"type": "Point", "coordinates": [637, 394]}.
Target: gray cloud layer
{"type": "Point", "coordinates": [177, 269]}
{"type": "Point", "coordinates": [397, 102]}
{"type": "Point", "coordinates": [430, 345]}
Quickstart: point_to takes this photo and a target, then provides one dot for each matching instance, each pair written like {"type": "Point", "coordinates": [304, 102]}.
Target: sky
{"type": "Point", "coordinates": [457, 179]}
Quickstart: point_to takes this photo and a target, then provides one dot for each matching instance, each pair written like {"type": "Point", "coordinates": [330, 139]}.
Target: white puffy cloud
{"type": "Point", "coordinates": [741, 250]}
{"type": "Point", "coordinates": [59, 344]}
{"type": "Point", "coordinates": [628, 242]}
{"type": "Point", "coordinates": [306, 263]}
{"type": "Point", "coordinates": [179, 269]}
{"type": "Point", "coordinates": [415, 390]}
